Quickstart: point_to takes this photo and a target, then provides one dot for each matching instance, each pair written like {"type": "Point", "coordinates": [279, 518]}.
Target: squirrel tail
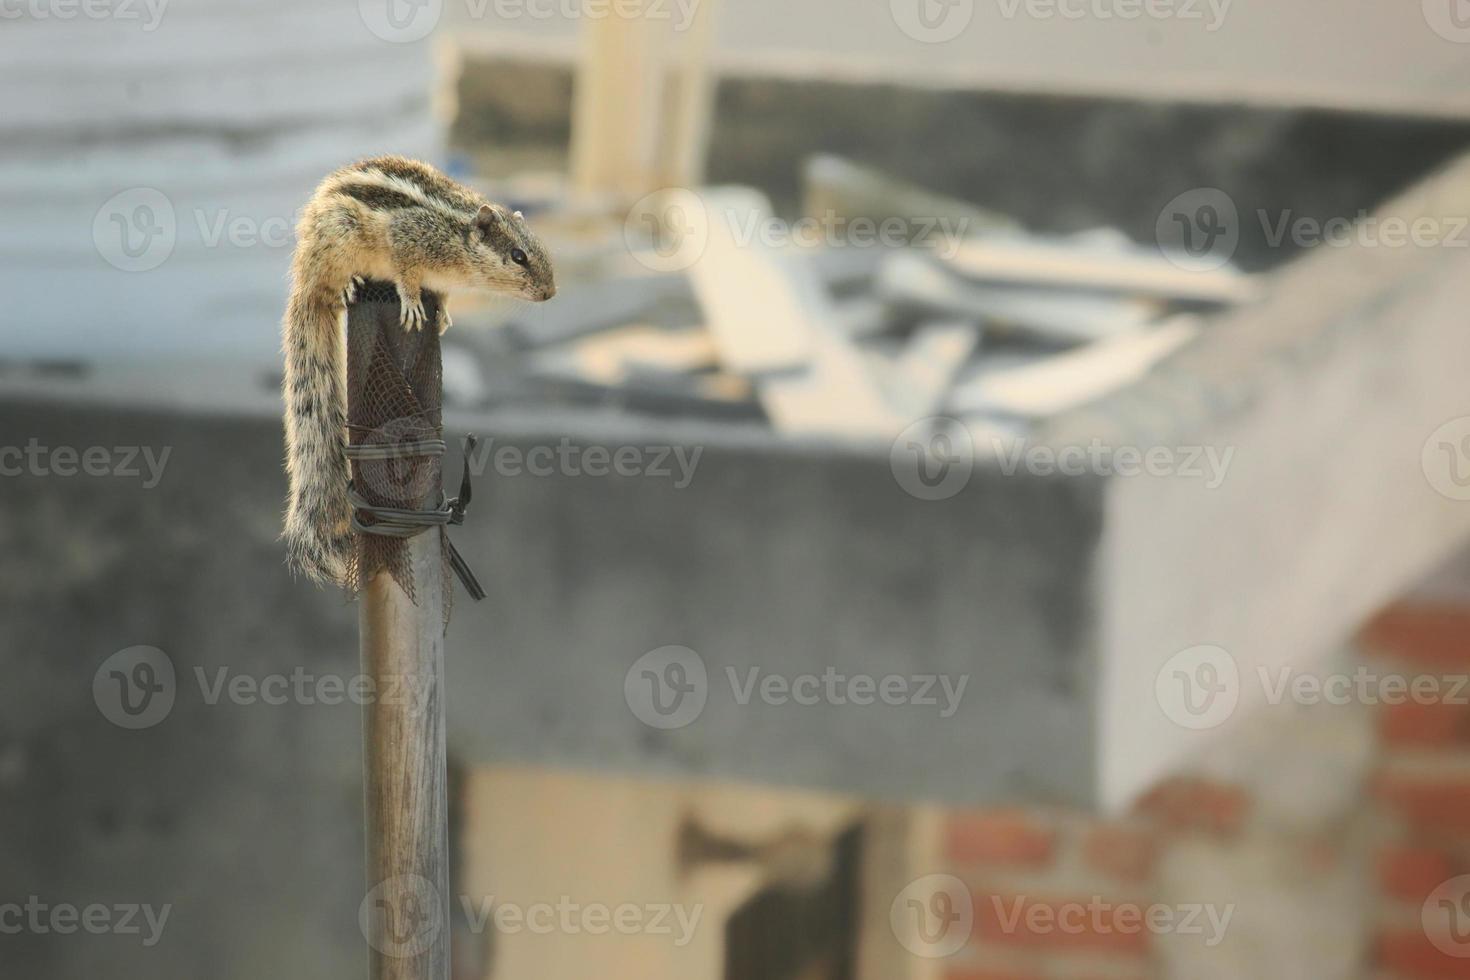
{"type": "Point", "coordinates": [318, 529]}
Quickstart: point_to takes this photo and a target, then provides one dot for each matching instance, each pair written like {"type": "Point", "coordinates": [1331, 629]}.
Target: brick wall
{"type": "Point", "coordinates": [1327, 837]}
{"type": "Point", "coordinates": [1421, 792]}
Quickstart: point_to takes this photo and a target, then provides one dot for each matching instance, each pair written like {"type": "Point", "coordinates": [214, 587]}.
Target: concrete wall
{"type": "Point", "coordinates": [1355, 54]}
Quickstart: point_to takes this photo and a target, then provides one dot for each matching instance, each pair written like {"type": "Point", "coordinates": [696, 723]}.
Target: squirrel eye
{"type": "Point", "coordinates": [518, 257]}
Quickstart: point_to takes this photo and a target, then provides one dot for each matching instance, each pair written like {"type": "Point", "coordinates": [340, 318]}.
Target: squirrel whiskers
{"type": "Point", "coordinates": [390, 219]}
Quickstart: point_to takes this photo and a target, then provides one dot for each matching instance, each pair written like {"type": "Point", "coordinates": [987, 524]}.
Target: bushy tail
{"type": "Point", "coordinates": [318, 533]}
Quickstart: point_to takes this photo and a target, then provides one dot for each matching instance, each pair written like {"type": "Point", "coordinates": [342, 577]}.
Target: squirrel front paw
{"type": "Point", "coordinates": [349, 295]}
{"type": "Point", "coordinates": [444, 322]}
{"type": "Point", "coordinates": [411, 309]}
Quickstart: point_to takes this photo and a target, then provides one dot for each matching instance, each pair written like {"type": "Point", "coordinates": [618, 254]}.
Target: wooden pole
{"type": "Point", "coordinates": [405, 771]}
{"type": "Point", "coordinates": [643, 101]}
{"type": "Point", "coordinates": [405, 915]}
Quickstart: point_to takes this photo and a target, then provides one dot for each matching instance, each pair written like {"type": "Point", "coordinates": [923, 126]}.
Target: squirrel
{"type": "Point", "coordinates": [392, 219]}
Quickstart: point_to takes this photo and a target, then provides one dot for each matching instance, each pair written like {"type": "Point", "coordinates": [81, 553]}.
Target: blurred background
{"type": "Point", "coordinates": [988, 501]}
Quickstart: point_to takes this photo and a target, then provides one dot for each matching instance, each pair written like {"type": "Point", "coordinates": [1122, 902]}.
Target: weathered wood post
{"type": "Point", "coordinates": [404, 773]}
{"type": "Point", "coordinates": [396, 446]}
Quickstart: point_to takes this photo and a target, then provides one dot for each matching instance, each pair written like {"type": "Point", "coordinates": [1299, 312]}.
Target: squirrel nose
{"type": "Point", "coordinates": [548, 292]}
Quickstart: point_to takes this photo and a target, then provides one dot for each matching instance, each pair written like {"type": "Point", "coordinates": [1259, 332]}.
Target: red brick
{"type": "Point", "coordinates": [1062, 923]}
{"type": "Point", "coordinates": [1432, 635]}
{"type": "Point", "coordinates": [1187, 803]}
{"type": "Point", "coordinates": [1411, 873]}
{"type": "Point", "coordinates": [1409, 952]}
{"type": "Point", "coordinates": [999, 837]}
{"type": "Point", "coordinates": [1124, 852]}
{"type": "Point", "coordinates": [1431, 806]}
{"type": "Point", "coordinates": [1426, 724]}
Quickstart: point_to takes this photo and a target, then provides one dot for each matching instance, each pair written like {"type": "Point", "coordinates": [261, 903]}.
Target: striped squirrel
{"type": "Point", "coordinates": [400, 221]}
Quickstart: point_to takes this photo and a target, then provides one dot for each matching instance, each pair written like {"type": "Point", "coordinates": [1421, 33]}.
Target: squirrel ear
{"type": "Point", "coordinates": [487, 217]}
